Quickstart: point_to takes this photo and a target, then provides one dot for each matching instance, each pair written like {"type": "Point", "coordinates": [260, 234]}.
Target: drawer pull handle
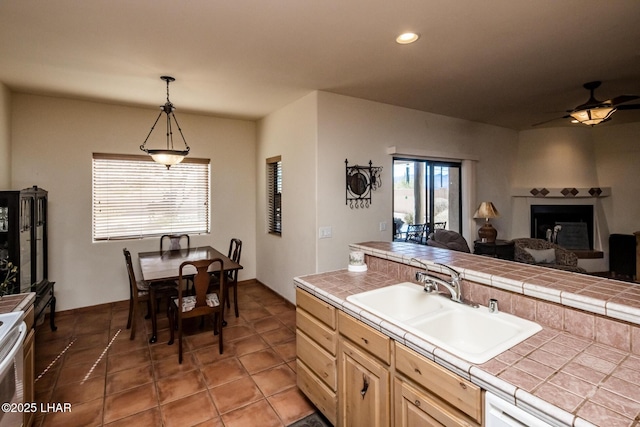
{"type": "Point", "coordinates": [365, 340]}
{"type": "Point", "coordinates": [417, 403]}
{"type": "Point", "coordinates": [463, 385]}
{"type": "Point", "coordinates": [417, 371]}
{"type": "Point", "coordinates": [365, 386]}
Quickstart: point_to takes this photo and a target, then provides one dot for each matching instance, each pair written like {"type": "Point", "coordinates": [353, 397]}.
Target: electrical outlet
{"type": "Point", "coordinates": [383, 226]}
{"type": "Point", "coordinates": [324, 233]}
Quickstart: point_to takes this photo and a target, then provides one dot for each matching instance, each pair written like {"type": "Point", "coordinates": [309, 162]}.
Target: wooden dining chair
{"type": "Point", "coordinates": [139, 292]}
{"type": "Point", "coordinates": [175, 241]}
{"type": "Point", "coordinates": [201, 304]}
{"type": "Point", "coordinates": [235, 250]}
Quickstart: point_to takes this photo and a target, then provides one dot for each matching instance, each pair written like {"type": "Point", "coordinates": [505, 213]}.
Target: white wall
{"type": "Point", "coordinates": [602, 156]}
{"type": "Point", "coordinates": [556, 157]}
{"type": "Point", "coordinates": [361, 130]}
{"type": "Point", "coordinates": [290, 132]}
{"type": "Point", "coordinates": [5, 138]}
{"type": "Point", "coordinates": [52, 143]}
{"type": "Point", "coordinates": [617, 151]}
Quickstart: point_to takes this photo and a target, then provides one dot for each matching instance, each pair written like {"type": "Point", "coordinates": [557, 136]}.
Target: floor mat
{"type": "Point", "coordinates": [314, 420]}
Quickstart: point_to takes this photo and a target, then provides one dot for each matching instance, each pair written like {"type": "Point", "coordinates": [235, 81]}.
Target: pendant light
{"type": "Point", "coordinates": [167, 156]}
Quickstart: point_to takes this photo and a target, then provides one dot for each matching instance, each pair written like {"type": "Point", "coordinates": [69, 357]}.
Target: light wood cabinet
{"type": "Point", "coordinates": [364, 375]}
{"type": "Point", "coordinates": [316, 350]}
{"type": "Point", "coordinates": [425, 392]}
{"type": "Point", "coordinates": [363, 392]}
{"type": "Point", "coordinates": [414, 407]}
{"type": "Point", "coordinates": [357, 376]}
{"type": "Point", "coordinates": [374, 342]}
{"type": "Point", "coordinates": [28, 350]}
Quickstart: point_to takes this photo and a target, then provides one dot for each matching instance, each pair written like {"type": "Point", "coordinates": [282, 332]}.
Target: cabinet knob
{"type": "Point", "coordinates": [463, 385]}
{"type": "Point", "coordinates": [417, 403]}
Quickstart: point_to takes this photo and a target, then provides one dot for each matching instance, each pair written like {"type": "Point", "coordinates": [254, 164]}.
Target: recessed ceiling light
{"type": "Point", "coordinates": [407, 38]}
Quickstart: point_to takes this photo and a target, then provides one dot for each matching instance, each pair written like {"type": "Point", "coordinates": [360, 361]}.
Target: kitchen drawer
{"type": "Point", "coordinates": [317, 359]}
{"type": "Point", "coordinates": [321, 310]}
{"type": "Point", "coordinates": [373, 341]}
{"type": "Point", "coordinates": [457, 391]}
{"type": "Point", "coordinates": [320, 395]}
{"type": "Point", "coordinates": [317, 331]}
{"type": "Point", "coordinates": [415, 407]}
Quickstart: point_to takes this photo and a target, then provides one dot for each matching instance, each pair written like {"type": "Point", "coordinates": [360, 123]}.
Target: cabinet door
{"type": "Point", "coordinates": [363, 389]}
{"type": "Point", "coordinates": [417, 408]}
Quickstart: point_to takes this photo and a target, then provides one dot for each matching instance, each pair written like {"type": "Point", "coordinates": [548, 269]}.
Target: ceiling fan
{"type": "Point", "coordinates": [594, 112]}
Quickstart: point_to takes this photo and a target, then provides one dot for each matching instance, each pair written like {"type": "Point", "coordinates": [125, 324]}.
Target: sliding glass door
{"type": "Point", "coordinates": [426, 196]}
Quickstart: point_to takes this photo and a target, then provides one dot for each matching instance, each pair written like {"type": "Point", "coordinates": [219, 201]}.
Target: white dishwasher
{"type": "Point", "coordinates": [500, 413]}
{"type": "Point", "coordinates": [12, 333]}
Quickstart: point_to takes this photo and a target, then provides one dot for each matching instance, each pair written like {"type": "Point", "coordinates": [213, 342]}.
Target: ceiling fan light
{"type": "Point", "coordinates": [593, 116]}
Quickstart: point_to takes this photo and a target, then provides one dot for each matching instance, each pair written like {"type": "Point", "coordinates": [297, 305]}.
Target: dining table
{"type": "Point", "coordinates": [164, 266]}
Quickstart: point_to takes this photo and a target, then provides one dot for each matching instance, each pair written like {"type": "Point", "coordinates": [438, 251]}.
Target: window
{"type": "Point", "coordinates": [274, 195]}
{"type": "Point", "coordinates": [426, 192]}
{"type": "Point", "coordinates": [135, 197]}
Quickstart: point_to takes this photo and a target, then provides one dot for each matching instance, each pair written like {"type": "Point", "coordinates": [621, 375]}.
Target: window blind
{"type": "Point", "coordinates": [135, 197]}
{"type": "Point", "coordinates": [274, 191]}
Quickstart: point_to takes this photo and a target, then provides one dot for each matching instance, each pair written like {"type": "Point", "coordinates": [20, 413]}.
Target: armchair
{"type": "Point", "coordinates": [546, 254]}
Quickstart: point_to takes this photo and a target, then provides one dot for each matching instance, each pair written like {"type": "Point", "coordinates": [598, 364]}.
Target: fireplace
{"type": "Point", "coordinates": [573, 224]}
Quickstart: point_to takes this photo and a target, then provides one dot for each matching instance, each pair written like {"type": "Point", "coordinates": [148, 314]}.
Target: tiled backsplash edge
{"type": "Point", "coordinates": [606, 330]}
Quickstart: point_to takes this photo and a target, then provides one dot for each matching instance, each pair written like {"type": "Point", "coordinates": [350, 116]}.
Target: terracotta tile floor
{"type": "Point", "coordinates": [109, 380]}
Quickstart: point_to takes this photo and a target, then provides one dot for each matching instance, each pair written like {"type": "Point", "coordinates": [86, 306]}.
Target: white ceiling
{"type": "Point", "coordinates": [509, 63]}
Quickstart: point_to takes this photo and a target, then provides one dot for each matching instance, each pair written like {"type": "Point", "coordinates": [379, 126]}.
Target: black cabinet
{"type": "Point", "coordinates": [503, 249]}
{"type": "Point", "coordinates": [23, 243]}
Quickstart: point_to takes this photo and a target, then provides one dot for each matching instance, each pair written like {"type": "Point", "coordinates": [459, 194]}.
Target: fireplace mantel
{"type": "Point", "coordinates": [562, 193]}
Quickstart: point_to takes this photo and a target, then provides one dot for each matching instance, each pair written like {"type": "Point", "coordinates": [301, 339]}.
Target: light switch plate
{"type": "Point", "coordinates": [325, 232]}
{"type": "Point", "coordinates": [383, 226]}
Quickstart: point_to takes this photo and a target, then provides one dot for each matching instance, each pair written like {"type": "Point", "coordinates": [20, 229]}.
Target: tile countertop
{"type": "Point", "coordinates": [562, 378]}
{"type": "Point", "coordinates": [16, 302]}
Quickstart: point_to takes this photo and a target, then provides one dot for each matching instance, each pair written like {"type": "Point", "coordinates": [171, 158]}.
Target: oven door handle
{"type": "Point", "coordinates": [7, 362]}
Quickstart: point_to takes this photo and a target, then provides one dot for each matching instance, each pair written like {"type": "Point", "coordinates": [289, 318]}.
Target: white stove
{"type": "Point", "coordinates": [12, 334]}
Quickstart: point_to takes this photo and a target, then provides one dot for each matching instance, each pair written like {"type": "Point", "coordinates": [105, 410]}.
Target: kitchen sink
{"type": "Point", "coordinates": [398, 302]}
{"type": "Point", "coordinates": [470, 333]}
{"type": "Point", "coordinates": [473, 334]}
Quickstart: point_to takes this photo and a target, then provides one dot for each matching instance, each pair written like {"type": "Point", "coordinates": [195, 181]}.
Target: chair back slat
{"type": "Point", "coordinates": [174, 241]}
{"type": "Point", "coordinates": [235, 250]}
{"type": "Point", "coordinates": [200, 280]}
{"type": "Point", "coordinates": [133, 288]}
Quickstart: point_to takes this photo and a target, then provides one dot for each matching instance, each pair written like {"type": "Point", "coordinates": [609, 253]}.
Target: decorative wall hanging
{"type": "Point", "coordinates": [361, 181]}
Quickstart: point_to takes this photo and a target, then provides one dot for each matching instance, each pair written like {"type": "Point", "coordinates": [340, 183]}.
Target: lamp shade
{"type": "Point", "coordinates": [486, 210]}
{"type": "Point", "coordinates": [593, 116]}
{"type": "Point", "coordinates": [487, 233]}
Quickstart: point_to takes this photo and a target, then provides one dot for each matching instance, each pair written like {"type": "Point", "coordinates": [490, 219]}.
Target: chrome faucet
{"type": "Point", "coordinates": [431, 282]}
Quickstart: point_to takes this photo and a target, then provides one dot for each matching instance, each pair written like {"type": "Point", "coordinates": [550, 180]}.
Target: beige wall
{"type": "Point", "coordinates": [53, 141]}
{"type": "Point", "coordinates": [556, 157]}
{"type": "Point", "coordinates": [50, 141]}
{"type": "Point", "coordinates": [314, 136]}
{"type": "Point", "coordinates": [617, 151]}
{"type": "Point", "coordinates": [603, 156]}
{"type": "Point", "coordinates": [5, 137]}
{"type": "Point", "coordinates": [361, 130]}
{"type": "Point", "coordinates": [290, 132]}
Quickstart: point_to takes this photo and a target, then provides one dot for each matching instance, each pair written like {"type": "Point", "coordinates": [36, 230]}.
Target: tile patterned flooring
{"type": "Point", "coordinates": [112, 381]}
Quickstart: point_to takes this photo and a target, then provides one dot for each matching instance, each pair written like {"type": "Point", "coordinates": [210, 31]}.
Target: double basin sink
{"type": "Point", "coordinates": [471, 333]}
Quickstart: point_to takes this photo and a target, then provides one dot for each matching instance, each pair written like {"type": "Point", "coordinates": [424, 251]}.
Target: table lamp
{"type": "Point", "coordinates": [487, 233]}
